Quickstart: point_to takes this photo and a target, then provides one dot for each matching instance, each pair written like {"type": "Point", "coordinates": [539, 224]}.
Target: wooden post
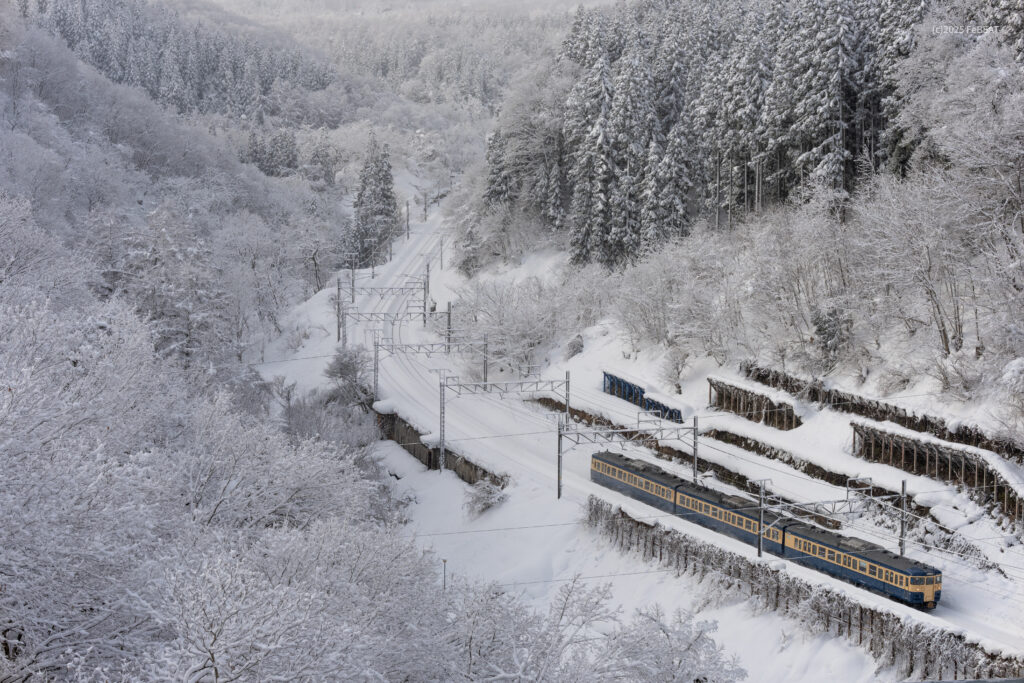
{"type": "Point", "coordinates": [903, 455]}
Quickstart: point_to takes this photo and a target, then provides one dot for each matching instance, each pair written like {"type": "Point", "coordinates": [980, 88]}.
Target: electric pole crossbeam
{"type": "Point", "coordinates": [453, 384]}
{"type": "Point", "coordinates": [429, 349]}
{"type": "Point", "coordinates": [386, 291]}
{"type": "Point", "coordinates": [642, 435]}
{"type": "Point", "coordinates": [379, 317]}
{"type": "Point", "coordinates": [558, 387]}
{"type": "Point", "coordinates": [599, 436]}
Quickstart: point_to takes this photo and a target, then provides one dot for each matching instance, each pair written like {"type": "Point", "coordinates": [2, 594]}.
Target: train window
{"type": "Point", "coordinates": [929, 581]}
{"type": "Point", "coordinates": [831, 556]}
{"type": "Point", "coordinates": [873, 570]}
{"type": "Point", "coordinates": [863, 566]}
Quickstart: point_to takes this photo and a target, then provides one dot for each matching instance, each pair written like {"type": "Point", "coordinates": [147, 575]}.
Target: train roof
{"type": "Point", "coordinates": [854, 546]}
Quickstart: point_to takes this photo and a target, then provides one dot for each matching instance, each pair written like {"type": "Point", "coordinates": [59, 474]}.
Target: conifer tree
{"type": "Point", "coordinates": [376, 208]}
{"type": "Point", "coordinates": [591, 166]}
{"type": "Point", "coordinates": [632, 122]}
{"type": "Point", "coordinates": [498, 179]}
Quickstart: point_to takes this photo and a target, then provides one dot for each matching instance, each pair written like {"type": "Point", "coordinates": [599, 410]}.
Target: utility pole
{"type": "Point", "coordinates": [426, 294]}
{"type": "Point", "coordinates": [444, 574]}
{"type": "Point", "coordinates": [406, 220]}
{"type": "Point", "coordinates": [448, 333]}
{"type": "Point", "coordinates": [425, 200]}
{"type": "Point", "coordinates": [760, 519]}
{"type": "Point", "coordinates": [376, 362]}
{"type": "Point", "coordinates": [561, 426]}
{"type": "Point", "coordinates": [352, 276]}
{"type": "Point", "coordinates": [695, 449]}
{"type": "Point", "coordinates": [442, 252]}
{"type": "Point", "coordinates": [440, 458]}
{"type": "Point", "coordinates": [568, 416]}
{"type": "Point", "coordinates": [485, 359]}
{"type": "Point", "coordinates": [337, 308]}
{"type": "Point", "coordinates": [903, 519]}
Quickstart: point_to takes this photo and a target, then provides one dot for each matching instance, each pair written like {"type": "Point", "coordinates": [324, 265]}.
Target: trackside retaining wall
{"type": "Point", "coordinates": [401, 432]}
{"type": "Point", "coordinates": [815, 392]}
{"type": "Point", "coordinates": [917, 650]}
{"type": "Point", "coordinates": [950, 463]}
{"type": "Point", "coordinates": [753, 405]}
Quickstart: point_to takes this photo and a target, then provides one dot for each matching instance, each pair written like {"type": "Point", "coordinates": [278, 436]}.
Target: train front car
{"type": "Point", "coordinates": [865, 564]}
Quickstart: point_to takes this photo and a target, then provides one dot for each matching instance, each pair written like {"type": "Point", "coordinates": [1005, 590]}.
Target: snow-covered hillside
{"type": "Point", "coordinates": [533, 542]}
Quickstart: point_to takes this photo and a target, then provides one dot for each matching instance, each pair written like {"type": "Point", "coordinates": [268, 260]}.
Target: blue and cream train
{"type": "Point", "coordinates": [851, 559]}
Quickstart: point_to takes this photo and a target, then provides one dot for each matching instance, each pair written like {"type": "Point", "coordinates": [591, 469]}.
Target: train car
{"type": "Point", "coordinates": [624, 388]}
{"type": "Point", "coordinates": [850, 559]}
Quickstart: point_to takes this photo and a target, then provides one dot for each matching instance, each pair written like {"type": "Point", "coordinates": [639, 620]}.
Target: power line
{"type": "Point", "coordinates": [586, 578]}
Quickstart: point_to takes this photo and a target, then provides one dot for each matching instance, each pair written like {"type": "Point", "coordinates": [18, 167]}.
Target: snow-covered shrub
{"type": "Point", "coordinates": [482, 496]}
{"type": "Point", "coordinates": [676, 363]}
{"type": "Point", "coordinates": [574, 347]}
{"type": "Point", "coordinates": [348, 374]}
{"type": "Point", "coordinates": [831, 335]}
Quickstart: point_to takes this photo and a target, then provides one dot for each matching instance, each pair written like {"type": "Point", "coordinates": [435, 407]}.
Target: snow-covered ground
{"type": "Point", "coordinates": [513, 437]}
{"type": "Point", "coordinates": [531, 545]}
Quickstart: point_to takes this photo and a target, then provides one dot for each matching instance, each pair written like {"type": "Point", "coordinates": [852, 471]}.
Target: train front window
{"type": "Point", "coordinates": [929, 581]}
{"type": "Point", "coordinates": [917, 581]}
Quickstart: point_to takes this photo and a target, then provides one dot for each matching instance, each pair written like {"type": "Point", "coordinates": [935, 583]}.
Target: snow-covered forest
{"type": "Point", "coordinates": [194, 486]}
{"type": "Point", "coordinates": [816, 184]}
